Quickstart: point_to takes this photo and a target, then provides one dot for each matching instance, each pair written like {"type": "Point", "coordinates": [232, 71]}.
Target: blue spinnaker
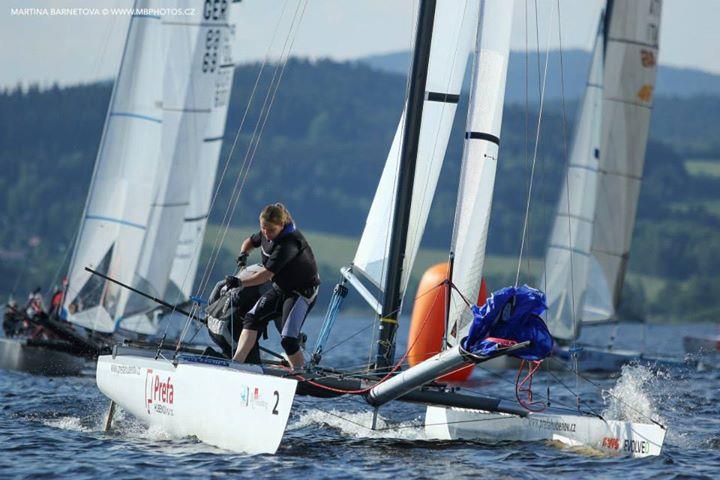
{"type": "Point", "coordinates": [511, 314]}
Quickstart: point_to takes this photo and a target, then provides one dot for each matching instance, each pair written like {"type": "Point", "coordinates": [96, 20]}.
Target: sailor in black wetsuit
{"type": "Point", "coordinates": [289, 262]}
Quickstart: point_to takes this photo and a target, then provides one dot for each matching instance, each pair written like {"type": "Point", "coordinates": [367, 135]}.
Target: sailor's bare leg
{"type": "Point", "coordinates": [296, 360]}
{"type": "Point", "coordinates": [245, 344]}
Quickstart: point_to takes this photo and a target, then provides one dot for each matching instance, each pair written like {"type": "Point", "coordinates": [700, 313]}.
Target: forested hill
{"type": "Point", "coordinates": [671, 81]}
{"type": "Point", "coordinates": [321, 152]}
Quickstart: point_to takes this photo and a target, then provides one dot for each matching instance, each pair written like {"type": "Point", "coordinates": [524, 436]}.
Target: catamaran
{"type": "Point", "coordinates": [146, 209]}
{"type": "Point", "coordinates": [246, 408]}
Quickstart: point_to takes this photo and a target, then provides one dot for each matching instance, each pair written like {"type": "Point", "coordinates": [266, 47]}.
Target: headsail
{"type": "Point", "coordinates": [631, 49]}
{"type": "Point", "coordinates": [568, 254]}
{"type": "Point", "coordinates": [482, 139]}
{"type": "Point", "coordinates": [117, 208]}
{"type": "Point", "coordinates": [452, 36]}
{"type": "Point", "coordinates": [187, 254]}
{"type": "Point", "coordinates": [194, 58]}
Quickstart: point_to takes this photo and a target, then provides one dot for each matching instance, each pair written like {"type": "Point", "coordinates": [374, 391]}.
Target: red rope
{"type": "Point", "coordinates": [524, 386]}
{"type": "Point", "coordinates": [393, 370]}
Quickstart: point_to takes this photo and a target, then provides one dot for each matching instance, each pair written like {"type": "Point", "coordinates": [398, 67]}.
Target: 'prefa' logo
{"type": "Point", "coordinates": [159, 393]}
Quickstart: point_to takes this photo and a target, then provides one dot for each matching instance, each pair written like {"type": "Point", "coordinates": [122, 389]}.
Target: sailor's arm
{"type": "Point", "coordinates": [247, 246]}
{"type": "Point", "coordinates": [263, 275]}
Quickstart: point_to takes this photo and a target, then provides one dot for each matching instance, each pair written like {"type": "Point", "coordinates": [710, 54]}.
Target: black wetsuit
{"type": "Point", "coordinates": [295, 284]}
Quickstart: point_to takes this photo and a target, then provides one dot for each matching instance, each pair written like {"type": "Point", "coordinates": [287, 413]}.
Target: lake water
{"type": "Point", "coordinates": [52, 427]}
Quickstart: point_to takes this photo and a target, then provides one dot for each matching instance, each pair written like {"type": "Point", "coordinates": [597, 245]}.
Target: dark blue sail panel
{"type": "Point", "coordinates": [511, 314]}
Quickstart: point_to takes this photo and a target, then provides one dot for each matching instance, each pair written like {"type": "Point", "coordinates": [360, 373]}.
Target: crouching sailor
{"type": "Point", "coordinates": [289, 262]}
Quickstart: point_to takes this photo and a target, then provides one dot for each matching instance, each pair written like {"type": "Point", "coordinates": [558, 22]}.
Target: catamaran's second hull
{"type": "Point", "coordinates": [708, 344]}
{"type": "Point", "coordinates": [609, 361]}
{"type": "Point", "coordinates": [16, 354]}
{"type": "Point", "coordinates": [614, 437]}
{"type": "Point", "coordinates": [235, 408]}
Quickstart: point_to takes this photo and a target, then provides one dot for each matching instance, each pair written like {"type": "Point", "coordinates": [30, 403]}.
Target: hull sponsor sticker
{"type": "Point", "coordinates": [552, 425]}
{"type": "Point", "coordinates": [159, 393]}
{"type": "Point", "coordinates": [121, 369]}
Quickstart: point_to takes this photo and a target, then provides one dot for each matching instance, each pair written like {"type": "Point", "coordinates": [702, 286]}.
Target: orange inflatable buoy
{"type": "Point", "coordinates": [427, 326]}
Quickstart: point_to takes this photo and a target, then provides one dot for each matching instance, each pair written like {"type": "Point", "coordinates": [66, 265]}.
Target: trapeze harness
{"type": "Point", "coordinates": [294, 288]}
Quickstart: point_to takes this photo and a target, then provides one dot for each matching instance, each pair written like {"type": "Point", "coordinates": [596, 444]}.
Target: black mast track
{"type": "Point", "coordinates": [406, 177]}
{"type": "Point", "coordinates": [605, 25]}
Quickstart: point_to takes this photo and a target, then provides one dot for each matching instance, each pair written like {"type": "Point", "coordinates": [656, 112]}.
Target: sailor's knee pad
{"type": "Point", "coordinates": [290, 344]}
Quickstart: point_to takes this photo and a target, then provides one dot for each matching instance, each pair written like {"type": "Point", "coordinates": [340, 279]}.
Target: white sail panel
{"type": "Point", "coordinates": [568, 255]}
{"type": "Point", "coordinates": [187, 254]}
{"type": "Point", "coordinates": [453, 32]}
{"type": "Point", "coordinates": [477, 178]}
{"type": "Point", "coordinates": [631, 51]}
{"type": "Point", "coordinates": [117, 208]}
{"type": "Point", "coordinates": [194, 57]}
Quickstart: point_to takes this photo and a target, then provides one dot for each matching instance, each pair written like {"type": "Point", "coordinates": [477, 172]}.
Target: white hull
{"type": "Point", "coordinates": [634, 439]}
{"type": "Point", "coordinates": [707, 344]}
{"type": "Point", "coordinates": [609, 361]}
{"type": "Point", "coordinates": [17, 355]}
{"type": "Point", "coordinates": [235, 408]}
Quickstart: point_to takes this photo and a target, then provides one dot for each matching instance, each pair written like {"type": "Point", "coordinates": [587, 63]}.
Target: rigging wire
{"type": "Point", "coordinates": [389, 374]}
{"type": "Point", "coordinates": [535, 153]}
{"type": "Point", "coordinates": [254, 143]}
{"type": "Point", "coordinates": [195, 309]}
{"type": "Point", "coordinates": [223, 40]}
{"type": "Point", "coordinates": [218, 242]}
{"type": "Point", "coordinates": [567, 190]}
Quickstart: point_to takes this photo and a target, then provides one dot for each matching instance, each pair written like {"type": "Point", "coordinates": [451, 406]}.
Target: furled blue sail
{"type": "Point", "coordinates": [511, 314]}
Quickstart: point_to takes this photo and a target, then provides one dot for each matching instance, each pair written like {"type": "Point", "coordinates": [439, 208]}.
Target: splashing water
{"type": "Point", "coordinates": [359, 425]}
{"type": "Point", "coordinates": [631, 398]}
{"type": "Point", "coordinates": [67, 423]}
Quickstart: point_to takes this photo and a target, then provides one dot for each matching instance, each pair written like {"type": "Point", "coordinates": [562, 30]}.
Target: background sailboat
{"type": "Point", "coordinates": [164, 124]}
{"type": "Point", "coordinates": [197, 66]}
{"type": "Point", "coordinates": [589, 246]}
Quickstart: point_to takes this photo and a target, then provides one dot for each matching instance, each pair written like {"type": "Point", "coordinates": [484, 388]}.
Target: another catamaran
{"type": "Point", "coordinates": [246, 407]}
{"type": "Point", "coordinates": [197, 66]}
{"type": "Point", "coordinates": [589, 246]}
{"type": "Point", "coordinates": [152, 182]}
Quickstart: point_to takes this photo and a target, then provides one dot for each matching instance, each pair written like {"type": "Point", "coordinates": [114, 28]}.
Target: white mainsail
{"type": "Point", "coordinates": [568, 255]}
{"type": "Point", "coordinates": [117, 208]}
{"type": "Point", "coordinates": [194, 58]}
{"type": "Point", "coordinates": [187, 254]}
{"type": "Point", "coordinates": [631, 50]}
{"type": "Point", "coordinates": [452, 40]}
{"type": "Point", "coordinates": [482, 140]}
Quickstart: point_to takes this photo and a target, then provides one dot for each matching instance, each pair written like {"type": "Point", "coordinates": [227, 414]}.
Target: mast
{"type": "Point", "coordinates": [406, 174]}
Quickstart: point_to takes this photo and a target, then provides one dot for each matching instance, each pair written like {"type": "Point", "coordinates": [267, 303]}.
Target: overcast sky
{"type": "Point", "coordinates": [71, 49]}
